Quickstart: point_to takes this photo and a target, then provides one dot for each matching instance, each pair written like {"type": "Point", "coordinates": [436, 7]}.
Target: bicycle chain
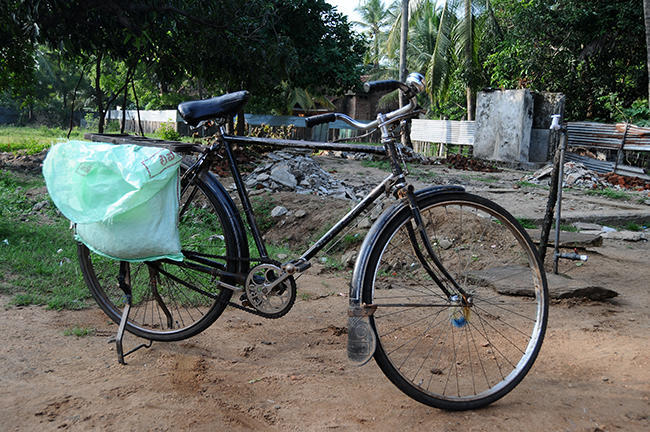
{"type": "Point", "coordinates": [249, 310]}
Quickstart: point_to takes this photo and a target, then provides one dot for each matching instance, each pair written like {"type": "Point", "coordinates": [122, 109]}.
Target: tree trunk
{"type": "Point", "coordinates": [129, 74]}
{"type": "Point", "coordinates": [406, 135]}
{"type": "Point", "coordinates": [137, 107]}
{"type": "Point", "coordinates": [99, 95]}
{"type": "Point", "coordinates": [126, 92]}
{"type": "Point", "coordinates": [469, 59]}
{"type": "Point", "coordinates": [646, 14]}
{"type": "Point", "coordinates": [403, 44]}
{"type": "Point", "coordinates": [471, 103]}
{"type": "Point", "coordinates": [74, 98]}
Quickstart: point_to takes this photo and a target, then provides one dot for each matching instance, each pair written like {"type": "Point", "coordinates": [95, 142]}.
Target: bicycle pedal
{"type": "Point", "coordinates": [244, 301]}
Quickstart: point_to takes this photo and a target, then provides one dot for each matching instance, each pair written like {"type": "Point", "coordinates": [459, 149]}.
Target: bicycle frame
{"type": "Point", "coordinates": [395, 183]}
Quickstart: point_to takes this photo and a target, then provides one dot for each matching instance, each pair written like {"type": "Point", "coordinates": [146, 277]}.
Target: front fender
{"type": "Point", "coordinates": [362, 262]}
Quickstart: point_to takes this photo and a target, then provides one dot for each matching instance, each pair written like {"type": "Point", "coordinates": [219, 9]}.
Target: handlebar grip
{"type": "Point", "coordinates": [385, 85]}
{"type": "Point", "coordinates": [320, 119]}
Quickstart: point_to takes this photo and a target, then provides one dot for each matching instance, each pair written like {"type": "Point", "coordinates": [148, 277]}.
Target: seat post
{"type": "Point", "coordinates": [243, 197]}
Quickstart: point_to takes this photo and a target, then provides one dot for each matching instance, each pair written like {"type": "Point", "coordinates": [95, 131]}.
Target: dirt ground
{"type": "Point", "coordinates": [291, 374]}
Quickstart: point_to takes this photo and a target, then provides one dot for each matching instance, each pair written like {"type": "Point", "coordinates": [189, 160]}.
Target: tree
{"type": "Point", "coordinates": [18, 36]}
{"type": "Point", "coordinates": [215, 46]}
{"type": "Point", "coordinates": [594, 52]}
{"type": "Point", "coordinates": [455, 50]}
{"type": "Point", "coordinates": [375, 17]}
{"type": "Point", "coordinates": [646, 15]}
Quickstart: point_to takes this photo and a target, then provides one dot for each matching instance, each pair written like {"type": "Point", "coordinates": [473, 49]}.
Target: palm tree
{"type": "Point", "coordinates": [455, 46]}
{"type": "Point", "coordinates": [374, 19]}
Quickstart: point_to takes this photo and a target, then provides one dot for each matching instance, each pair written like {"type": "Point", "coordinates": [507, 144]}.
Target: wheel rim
{"type": "Point", "coordinates": [451, 352]}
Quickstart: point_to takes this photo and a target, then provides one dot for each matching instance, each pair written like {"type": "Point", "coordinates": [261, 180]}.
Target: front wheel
{"type": "Point", "coordinates": [469, 344]}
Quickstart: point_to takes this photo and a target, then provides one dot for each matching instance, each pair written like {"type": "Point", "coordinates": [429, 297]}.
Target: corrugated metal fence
{"type": "Point", "coordinates": [608, 136]}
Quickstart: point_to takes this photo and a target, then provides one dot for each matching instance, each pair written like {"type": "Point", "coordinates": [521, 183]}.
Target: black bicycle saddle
{"type": "Point", "coordinates": [229, 104]}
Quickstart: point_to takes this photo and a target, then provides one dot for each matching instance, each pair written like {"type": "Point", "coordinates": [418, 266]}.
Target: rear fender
{"type": "Point", "coordinates": [233, 218]}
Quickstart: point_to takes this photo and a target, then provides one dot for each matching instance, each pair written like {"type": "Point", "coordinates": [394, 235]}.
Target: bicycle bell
{"type": "Point", "coordinates": [416, 82]}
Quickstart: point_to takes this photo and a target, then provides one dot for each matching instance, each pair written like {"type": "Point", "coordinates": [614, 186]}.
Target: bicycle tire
{"type": "Point", "coordinates": [209, 225]}
{"type": "Point", "coordinates": [433, 348]}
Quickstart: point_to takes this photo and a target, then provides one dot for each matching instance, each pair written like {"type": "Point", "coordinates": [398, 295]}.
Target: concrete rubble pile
{"type": "Point", "coordinates": [575, 175]}
{"type": "Point", "coordinates": [407, 153]}
{"type": "Point", "coordinates": [298, 172]}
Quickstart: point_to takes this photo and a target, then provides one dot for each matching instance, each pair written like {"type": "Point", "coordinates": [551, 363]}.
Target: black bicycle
{"type": "Point", "coordinates": [448, 293]}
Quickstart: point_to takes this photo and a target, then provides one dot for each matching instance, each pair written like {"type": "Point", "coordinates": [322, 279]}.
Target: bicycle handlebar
{"type": "Point", "coordinates": [385, 85]}
{"type": "Point", "coordinates": [319, 119]}
{"type": "Point", "coordinates": [414, 85]}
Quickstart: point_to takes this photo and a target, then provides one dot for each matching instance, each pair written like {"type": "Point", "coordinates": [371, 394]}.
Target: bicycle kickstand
{"type": "Point", "coordinates": [124, 279]}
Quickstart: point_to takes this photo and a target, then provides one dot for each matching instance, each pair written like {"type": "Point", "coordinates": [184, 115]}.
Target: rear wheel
{"type": "Point", "coordinates": [172, 301]}
{"type": "Point", "coordinates": [453, 351]}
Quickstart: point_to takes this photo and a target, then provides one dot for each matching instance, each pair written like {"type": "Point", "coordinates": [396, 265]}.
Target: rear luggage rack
{"type": "Point", "coordinates": [175, 146]}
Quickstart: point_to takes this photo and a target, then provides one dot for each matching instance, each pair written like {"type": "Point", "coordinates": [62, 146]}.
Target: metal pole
{"type": "Point", "coordinates": [558, 206]}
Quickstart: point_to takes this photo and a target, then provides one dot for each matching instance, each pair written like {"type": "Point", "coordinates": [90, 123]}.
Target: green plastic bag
{"type": "Point", "coordinates": [124, 199]}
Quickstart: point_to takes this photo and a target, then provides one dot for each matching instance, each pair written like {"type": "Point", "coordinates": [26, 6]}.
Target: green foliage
{"type": "Point", "coordinates": [167, 50]}
{"type": "Point", "coordinates": [380, 164]}
{"type": "Point", "coordinates": [276, 132]}
{"type": "Point", "coordinates": [31, 140]}
{"type": "Point", "coordinates": [566, 227]}
{"type": "Point", "coordinates": [167, 132]}
{"type": "Point", "coordinates": [591, 51]}
{"type": "Point", "coordinates": [633, 227]}
{"type": "Point", "coordinates": [638, 113]}
{"type": "Point", "coordinates": [262, 207]}
{"type": "Point", "coordinates": [351, 240]}
{"type": "Point", "coordinates": [523, 183]}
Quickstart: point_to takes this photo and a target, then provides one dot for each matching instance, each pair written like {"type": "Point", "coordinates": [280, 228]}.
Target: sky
{"type": "Point", "coordinates": [346, 7]}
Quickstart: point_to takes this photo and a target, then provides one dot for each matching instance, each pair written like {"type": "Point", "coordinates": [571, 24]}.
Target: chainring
{"type": "Point", "coordinates": [269, 302]}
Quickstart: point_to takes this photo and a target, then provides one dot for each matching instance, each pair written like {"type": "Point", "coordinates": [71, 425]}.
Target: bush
{"type": "Point", "coordinates": [167, 132]}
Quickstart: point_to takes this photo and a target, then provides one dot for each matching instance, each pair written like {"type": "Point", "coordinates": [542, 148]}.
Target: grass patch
{"type": "Point", "coordinates": [31, 140]}
{"type": "Point", "coordinates": [523, 184]}
{"type": "Point", "coordinates": [633, 227]}
{"type": "Point", "coordinates": [423, 175]}
{"type": "Point", "coordinates": [527, 223]}
{"type": "Point", "coordinates": [566, 228]}
{"type": "Point", "coordinates": [37, 250]}
{"type": "Point", "coordinates": [488, 179]}
{"type": "Point", "coordinates": [383, 165]}
{"type": "Point", "coordinates": [262, 207]}
{"type": "Point", "coordinates": [350, 240]}
{"type": "Point", "coordinates": [610, 193]}
{"type": "Point", "coordinates": [79, 331]}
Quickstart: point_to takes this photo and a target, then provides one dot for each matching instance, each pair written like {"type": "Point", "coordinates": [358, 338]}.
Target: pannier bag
{"type": "Point", "coordinates": [124, 199]}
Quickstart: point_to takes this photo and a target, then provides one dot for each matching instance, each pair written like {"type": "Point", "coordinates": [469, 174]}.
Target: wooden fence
{"type": "Point", "coordinates": [433, 137]}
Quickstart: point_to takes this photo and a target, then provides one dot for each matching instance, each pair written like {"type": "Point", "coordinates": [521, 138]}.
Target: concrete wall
{"type": "Point", "coordinates": [513, 125]}
{"type": "Point", "coordinates": [546, 104]}
{"type": "Point", "coordinates": [504, 119]}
